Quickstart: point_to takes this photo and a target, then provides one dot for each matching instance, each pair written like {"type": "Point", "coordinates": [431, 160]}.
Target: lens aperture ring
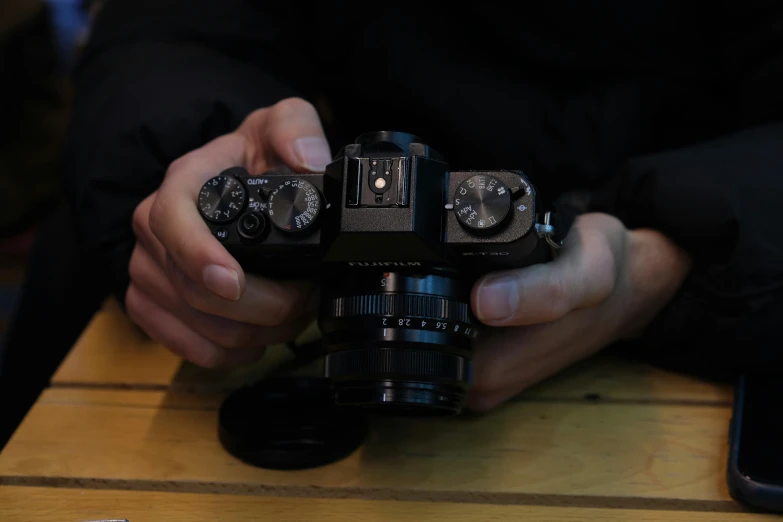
{"type": "Point", "coordinates": [399, 305]}
{"type": "Point", "coordinates": [395, 328]}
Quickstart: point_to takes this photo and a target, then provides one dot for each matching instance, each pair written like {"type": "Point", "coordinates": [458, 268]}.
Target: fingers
{"type": "Point", "coordinates": [174, 219]}
{"type": "Point", "coordinates": [167, 329]}
{"type": "Point", "coordinates": [141, 229]}
{"type": "Point", "coordinates": [583, 275]}
{"type": "Point", "coordinates": [151, 280]}
{"type": "Point", "coordinates": [510, 360]}
{"type": "Point", "coordinates": [289, 130]}
{"type": "Point", "coordinates": [187, 291]}
{"type": "Point", "coordinates": [558, 313]}
{"type": "Point", "coordinates": [265, 302]}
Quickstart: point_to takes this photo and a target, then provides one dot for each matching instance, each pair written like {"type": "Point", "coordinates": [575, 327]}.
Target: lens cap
{"type": "Point", "coordinates": [289, 423]}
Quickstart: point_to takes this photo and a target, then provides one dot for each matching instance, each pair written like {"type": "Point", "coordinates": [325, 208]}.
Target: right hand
{"type": "Point", "coordinates": [186, 291]}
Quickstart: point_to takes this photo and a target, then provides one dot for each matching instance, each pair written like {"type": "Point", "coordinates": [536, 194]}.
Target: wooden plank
{"type": "Point", "coordinates": [617, 379]}
{"type": "Point", "coordinates": [23, 504]}
{"type": "Point", "coordinates": [277, 360]}
{"type": "Point", "coordinates": [537, 452]}
{"type": "Point", "coordinates": [113, 351]}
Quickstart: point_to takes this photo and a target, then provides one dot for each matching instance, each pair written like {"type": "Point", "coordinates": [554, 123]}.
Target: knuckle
{"type": "Point", "coordinates": [273, 303]}
{"type": "Point", "coordinates": [183, 247]}
{"type": "Point", "coordinates": [488, 378]}
{"type": "Point", "coordinates": [133, 304]}
{"type": "Point", "coordinates": [231, 334]}
{"type": "Point", "coordinates": [192, 296]}
{"type": "Point", "coordinates": [253, 151]}
{"type": "Point", "coordinates": [293, 105]}
{"type": "Point", "coordinates": [156, 218]}
{"type": "Point", "coordinates": [279, 312]}
{"type": "Point", "coordinates": [178, 165]}
{"type": "Point", "coordinates": [612, 225]}
{"type": "Point", "coordinates": [255, 118]}
{"type": "Point", "coordinates": [286, 121]}
{"type": "Point", "coordinates": [556, 288]}
{"type": "Point", "coordinates": [603, 270]}
{"type": "Point", "coordinates": [185, 288]}
{"type": "Point", "coordinates": [210, 358]}
{"type": "Point", "coordinates": [134, 266]}
{"type": "Point", "coordinates": [250, 136]}
{"type": "Point", "coordinates": [140, 220]}
{"type": "Point", "coordinates": [605, 281]}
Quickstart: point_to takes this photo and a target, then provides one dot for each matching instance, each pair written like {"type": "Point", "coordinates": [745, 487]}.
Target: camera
{"type": "Point", "coordinates": [396, 240]}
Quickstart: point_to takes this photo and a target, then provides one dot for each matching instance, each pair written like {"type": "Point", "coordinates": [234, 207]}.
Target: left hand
{"type": "Point", "coordinates": [607, 284]}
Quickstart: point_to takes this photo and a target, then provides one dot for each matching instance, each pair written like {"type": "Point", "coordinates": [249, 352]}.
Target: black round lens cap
{"type": "Point", "coordinates": [289, 423]}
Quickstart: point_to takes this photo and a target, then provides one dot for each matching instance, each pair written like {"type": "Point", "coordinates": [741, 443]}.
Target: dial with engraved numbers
{"type": "Point", "coordinates": [294, 205]}
{"type": "Point", "coordinates": [482, 203]}
{"type": "Point", "coordinates": [222, 198]}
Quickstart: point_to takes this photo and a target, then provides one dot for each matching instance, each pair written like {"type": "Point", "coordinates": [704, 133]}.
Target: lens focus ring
{"type": "Point", "coordinates": [397, 360]}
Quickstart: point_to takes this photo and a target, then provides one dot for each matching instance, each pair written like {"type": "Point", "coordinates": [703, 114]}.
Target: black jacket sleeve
{"type": "Point", "coordinates": [722, 201]}
{"type": "Point", "coordinates": [157, 80]}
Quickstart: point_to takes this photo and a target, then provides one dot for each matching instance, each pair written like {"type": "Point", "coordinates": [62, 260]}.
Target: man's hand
{"type": "Point", "coordinates": [607, 284]}
{"type": "Point", "coordinates": [187, 292]}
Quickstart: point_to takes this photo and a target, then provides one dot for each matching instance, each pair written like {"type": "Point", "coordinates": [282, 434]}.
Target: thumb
{"type": "Point", "coordinates": [289, 132]}
{"type": "Point", "coordinates": [584, 275]}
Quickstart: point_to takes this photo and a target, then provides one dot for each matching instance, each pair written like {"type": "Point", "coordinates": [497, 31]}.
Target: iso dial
{"type": "Point", "coordinates": [294, 205]}
{"type": "Point", "coordinates": [221, 198]}
{"type": "Point", "coordinates": [482, 203]}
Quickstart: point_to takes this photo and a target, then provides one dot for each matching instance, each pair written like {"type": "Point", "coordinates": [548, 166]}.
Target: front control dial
{"type": "Point", "coordinates": [482, 203]}
{"type": "Point", "coordinates": [221, 199]}
{"type": "Point", "coordinates": [294, 205]}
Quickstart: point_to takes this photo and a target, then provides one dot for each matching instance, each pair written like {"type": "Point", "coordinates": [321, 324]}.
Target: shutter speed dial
{"type": "Point", "coordinates": [221, 199]}
{"type": "Point", "coordinates": [482, 204]}
{"type": "Point", "coordinates": [294, 205]}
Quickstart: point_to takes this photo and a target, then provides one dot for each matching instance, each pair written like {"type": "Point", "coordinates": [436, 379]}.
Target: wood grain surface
{"type": "Point", "coordinates": [130, 431]}
{"type": "Point", "coordinates": [112, 351]}
{"type": "Point", "coordinates": [531, 452]}
{"type": "Point", "coordinates": [25, 504]}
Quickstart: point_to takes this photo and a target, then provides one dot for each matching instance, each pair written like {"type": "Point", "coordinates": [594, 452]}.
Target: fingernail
{"type": "Point", "coordinates": [223, 281]}
{"type": "Point", "coordinates": [313, 153]}
{"type": "Point", "coordinates": [498, 299]}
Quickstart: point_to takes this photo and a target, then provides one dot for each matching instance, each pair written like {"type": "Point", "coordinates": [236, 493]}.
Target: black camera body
{"type": "Point", "coordinates": [397, 240]}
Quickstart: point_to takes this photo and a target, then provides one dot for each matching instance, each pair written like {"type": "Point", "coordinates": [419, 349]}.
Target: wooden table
{"type": "Point", "coordinates": [126, 431]}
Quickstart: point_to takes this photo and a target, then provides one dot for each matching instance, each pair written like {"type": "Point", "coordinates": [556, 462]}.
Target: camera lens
{"type": "Point", "coordinates": [398, 343]}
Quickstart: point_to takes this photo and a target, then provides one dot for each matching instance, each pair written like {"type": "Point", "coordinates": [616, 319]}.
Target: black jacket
{"type": "Point", "coordinates": [668, 115]}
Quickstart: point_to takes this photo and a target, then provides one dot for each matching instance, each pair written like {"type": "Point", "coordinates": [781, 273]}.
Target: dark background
{"type": "Point", "coordinates": [38, 42]}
